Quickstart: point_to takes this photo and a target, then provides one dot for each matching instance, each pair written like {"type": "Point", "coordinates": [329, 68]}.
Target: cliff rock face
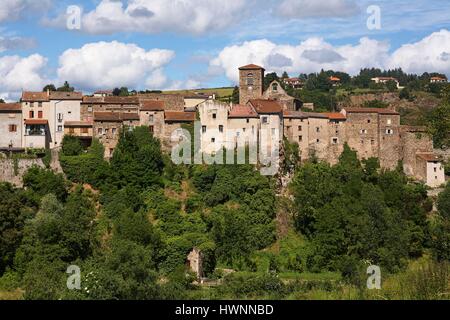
{"type": "Point", "coordinates": [12, 171]}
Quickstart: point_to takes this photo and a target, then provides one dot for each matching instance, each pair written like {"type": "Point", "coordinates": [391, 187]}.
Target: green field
{"type": "Point", "coordinates": [221, 92]}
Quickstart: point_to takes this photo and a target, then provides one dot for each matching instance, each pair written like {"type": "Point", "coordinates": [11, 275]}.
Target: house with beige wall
{"type": "Point", "coordinates": [10, 126]}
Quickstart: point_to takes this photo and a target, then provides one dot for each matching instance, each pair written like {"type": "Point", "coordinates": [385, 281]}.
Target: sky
{"type": "Point", "coordinates": [187, 44]}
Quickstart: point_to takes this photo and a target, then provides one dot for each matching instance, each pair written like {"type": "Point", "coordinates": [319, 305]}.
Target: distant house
{"type": "Point", "coordinates": [295, 83]}
{"type": "Point", "coordinates": [335, 81]}
{"type": "Point", "coordinates": [385, 80]}
{"type": "Point", "coordinates": [438, 80]}
{"type": "Point", "coordinates": [103, 93]}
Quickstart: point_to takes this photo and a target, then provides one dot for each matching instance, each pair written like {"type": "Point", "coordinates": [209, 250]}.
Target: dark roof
{"type": "Point", "coordinates": [110, 100]}
{"type": "Point", "coordinates": [152, 105]}
{"type": "Point", "coordinates": [177, 116]}
{"type": "Point", "coordinates": [251, 67]}
{"type": "Point", "coordinates": [371, 110]}
{"type": "Point", "coordinates": [28, 96]}
{"type": "Point", "coordinates": [266, 106]}
{"type": "Point", "coordinates": [77, 124]}
{"type": "Point", "coordinates": [10, 107]}
{"type": "Point", "coordinates": [304, 115]}
{"type": "Point", "coordinates": [242, 111]}
{"type": "Point", "coordinates": [115, 116]}
{"type": "Point", "coordinates": [59, 95]}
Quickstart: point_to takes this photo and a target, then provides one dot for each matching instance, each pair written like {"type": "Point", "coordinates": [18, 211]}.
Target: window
{"type": "Point", "coordinates": [114, 130]}
{"type": "Point", "coordinates": [243, 129]}
{"type": "Point", "coordinates": [220, 129]}
{"type": "Point", "coordinates": [273, 131]}
{"type": "Point", "coordinates": [72, 130]}
{"type": "Point", "coordinates": [151, 128]}
{"type": "Point", "coordinates": [299, 128]}
{"type": "Point", "coordinates": [300, 138]}
{"type": "Point", "coordinates": [89, 109]}
{"type": "Point", "coordinates": [40, 104]}
{"type": "Point", "coordinates": [318, 141]}
{"type": "Point", "coordinates": [204, 129]}
{"type": "Point", "coordinates": [248, 120]}
{"type": "Point", "coordinates": [317, 129]}
{"type": "Point", "coordinates": [275, 87]}
{"type": "Point", "coordinates": [40, 114]}
{"type": "Point", "coordinates": [106, 131]}
{"type": "Point", "coordinates": [265, 120]}
{"type": "Point", "coordinates": [389, 131]}
{"type": "Point", "coordinates": [84, 130]}
{"type": "Point", "coordinates": [335, 140]}
{"type": "Point", "coordinates": [368, 121]}
{"type": "Point", "coordinates": [213, 140]}
{"type": "Point", "coordinates": [60, 128]}
{"type": "Point", "coordinates": [435, 169]}
{"type": "Point", "coordinates": [100, 130]}
{"type": "Point", "coordinates": [12, 128]}
{"type": "Point", "coordinates": [389, 122]}
{"type": "Point", "coordinates": [151, 118]}
{"type": "Point", "coordinates": [60, 117]}
{"type": "Point", "coordinates": [31, 114]}
{"type": "Point", "coordinates": [372, 142]}
{"type": "Point", "coordinates": [214, 116]}
{"type": "Point", "coordinates": [250, 79]}
{"type": "Point", "coordinates": [363, 131]}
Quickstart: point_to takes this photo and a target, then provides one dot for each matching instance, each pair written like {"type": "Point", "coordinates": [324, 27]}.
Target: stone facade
{"type": "Point", "coordinates": [276, 92]}
{"type": "Point", "coordinates": [13, 173]}
{"type": "Point", "coordinates": [251, 83]}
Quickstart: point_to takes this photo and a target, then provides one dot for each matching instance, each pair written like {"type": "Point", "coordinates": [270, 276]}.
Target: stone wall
{"type": "Point", "coordinates": [8, 173]}
{"type": "Point", "coordinates": [246, 91]}
{"type": "Point", "coordinates": [413, 140]}
{"type": "Point", "coordinates": [173, 102]}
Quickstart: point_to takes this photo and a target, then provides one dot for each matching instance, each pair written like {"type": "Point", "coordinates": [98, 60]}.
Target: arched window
{"type": "Point", "coordinates": [250, 79]}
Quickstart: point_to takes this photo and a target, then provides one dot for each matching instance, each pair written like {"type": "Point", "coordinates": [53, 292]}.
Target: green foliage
{"type": "Point", "coordinates": [353, 211]}
{"type": "Point", "coordinates": [71, 146]}
{"type": "Point", "coordinates": [439, 125]}
{"type": "Point", "coordinates": [443, 203]}
{"type": "Point", "coordinates": [44, 181]}
{"type": "Point", "coordinates": [375, 104]}
{"type": "Point", "coordinates": [66, 88]}
{"type": "Point", "coordinates": [235, 96]}
{"type": "Point", "coordinates": [291, 156]}
{"type": "Point", "coordinates": [16, 206]}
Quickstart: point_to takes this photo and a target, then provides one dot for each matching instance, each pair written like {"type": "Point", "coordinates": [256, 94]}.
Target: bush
{"type": "Point", "coordinates": [71, 146]}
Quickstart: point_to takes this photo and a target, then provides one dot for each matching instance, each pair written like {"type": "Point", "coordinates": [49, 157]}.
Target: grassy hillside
{"type": "Point", "coordinates": [221, 92]}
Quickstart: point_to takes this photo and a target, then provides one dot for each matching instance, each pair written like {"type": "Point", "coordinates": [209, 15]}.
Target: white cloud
{"type": "Point", "coordinates": [155, 16]}
{"type": "Point", "coordinates": [13, 9]}
{"type": "Point", "coordinates": [14, 43]}
{"type": "Point", "coordinates": [317, 9]}
{"type": "Point", "coordinates": [309, 56]}
{"type": "Point", "coordinates": [17, 74]}
{"type": "Point", "coordinates": [429, 54]}
{"type": "Point", "coordinates": [112, 64]}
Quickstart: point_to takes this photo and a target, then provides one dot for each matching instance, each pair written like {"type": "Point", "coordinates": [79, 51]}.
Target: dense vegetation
{"type": "Point", "coordinates": [129, 224]}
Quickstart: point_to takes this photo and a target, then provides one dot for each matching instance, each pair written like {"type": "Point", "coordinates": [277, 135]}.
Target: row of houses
{"type": "Point", "coordinates": [41, 119]}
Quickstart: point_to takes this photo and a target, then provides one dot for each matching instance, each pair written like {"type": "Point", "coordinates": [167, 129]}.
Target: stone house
{"type": "Point", "coordinates": [10, 126]}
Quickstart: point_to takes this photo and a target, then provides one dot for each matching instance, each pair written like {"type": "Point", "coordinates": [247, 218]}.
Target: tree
{"type": "Point", "coordinates": [122, 92]}
{"type": "Point", "coordinates": [49, 87]}
{"type": "Point", "coordinates": [44, 181]}
{"type": "Point", "coordinates": [66, 88]}
{"type": "Point", "coordinates": [443, 203]}
{"type": "Point", "coordinates": [235, 96]}
{"type": "Point", "coordinates": [439, 125]}
{"type": "Point", "coordinates": [285, 75]}
{"type": "Point", "coordinates": [391, 85]}
{"type": "Point", "coordinates": [269, 78]}
{"type": "Point", "coordinates": [71, 146]}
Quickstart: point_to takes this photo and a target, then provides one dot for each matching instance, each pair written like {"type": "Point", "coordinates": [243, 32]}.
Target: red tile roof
{"type": "Point", "coordinates": [266, 106]}
{"type": "Point", "coordinates": [243, 111]}
{"type": "Point", "coordinates": [36, 121]}
{"type": "Point", "coordinates": [251, 67]}
{"type": "Point", "coordinates": [335, 79]}
{"type": "Point", "coordinates": [152, 105]}
{"type": "Point", "coordinates": [429, 157]}
{"type": "Point", "coordinates": [335, 116]}
{"type": "Point", "coordinates": [371, 110]}
{"type": "Point", "coordinates": [177, 116]}
{"type": "Point", "coordinates": [28, 96]}
{"type": "Point", "coordinates": [10, 107]}
{"type": "Point", "coordinates": [110, 100]}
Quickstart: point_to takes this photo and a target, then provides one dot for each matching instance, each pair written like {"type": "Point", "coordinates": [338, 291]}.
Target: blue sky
{"type": "Point", "coordinates": [161, 44]}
